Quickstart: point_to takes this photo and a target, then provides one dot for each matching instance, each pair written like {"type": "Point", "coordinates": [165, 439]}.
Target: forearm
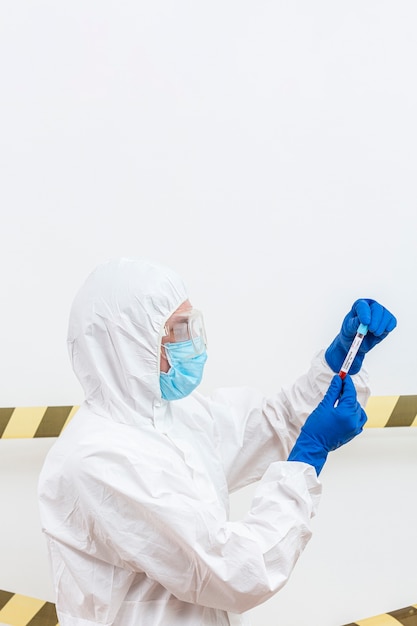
{"type": "Point", "coordinates": [255, 431]}
{"type": "Point", "coordinates": [306, 393]}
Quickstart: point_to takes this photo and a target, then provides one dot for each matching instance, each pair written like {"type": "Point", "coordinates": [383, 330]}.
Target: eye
{"type": "Point", "coordinates": [180, 330]}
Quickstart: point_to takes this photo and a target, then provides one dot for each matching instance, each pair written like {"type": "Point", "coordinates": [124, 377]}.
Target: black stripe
{"type": "Point", "coordinates": [5, 597]}
{"type": "Point", "coordinates": [406, 616]}
{"type": "Point", "coordinates": [46, 616]}
{"type": "Point", "coordinates": [351, 624]}
{"type": "Point", "coordinates": [404, 411]}
{"type": "Point", "coordinates": [5, 415]}
{"type": "Point", "coordinates": [53, 421]}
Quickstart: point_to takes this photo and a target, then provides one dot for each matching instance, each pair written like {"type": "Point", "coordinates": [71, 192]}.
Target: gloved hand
{"type": "Point", "coordinates": [330, 426]}
{"type": "Point", "coordinates": [380, 322]}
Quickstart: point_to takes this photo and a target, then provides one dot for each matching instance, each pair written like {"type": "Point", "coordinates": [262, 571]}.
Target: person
{"type": "Point", "coordinates": [134, 494]}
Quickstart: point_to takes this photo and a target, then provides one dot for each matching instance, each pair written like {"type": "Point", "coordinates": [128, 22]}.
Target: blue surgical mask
{"type": "Point", "coordinates": [186, 370]}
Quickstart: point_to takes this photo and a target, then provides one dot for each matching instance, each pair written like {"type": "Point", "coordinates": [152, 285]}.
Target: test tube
{"type": "Point", "coordinates": [353, 350]}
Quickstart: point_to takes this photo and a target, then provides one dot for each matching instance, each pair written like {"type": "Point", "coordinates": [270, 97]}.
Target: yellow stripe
{"type": "Point", "coordinates": [24, 422]}
{"type": "Point", "coordinates": [379, 409]}
{"type": "Point", "coordinates": [20, 610]}
{"type": "Point", "coordinates": [378, 620]}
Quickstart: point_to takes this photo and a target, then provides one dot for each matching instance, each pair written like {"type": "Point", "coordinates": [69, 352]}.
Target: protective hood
{"type": "Point", "coordinates": [114, 335]}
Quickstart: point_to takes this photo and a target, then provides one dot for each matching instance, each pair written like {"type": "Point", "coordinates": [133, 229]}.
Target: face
{"type": "Point", "coordinates": [184, 307]}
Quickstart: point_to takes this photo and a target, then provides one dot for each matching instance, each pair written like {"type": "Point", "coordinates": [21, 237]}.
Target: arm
{"type": "Point", "coordinates": [255, 431]}
{"type": "Point", "coordinates": [338, 418]}
{"type": "Point", "coordinates": [141, 517]}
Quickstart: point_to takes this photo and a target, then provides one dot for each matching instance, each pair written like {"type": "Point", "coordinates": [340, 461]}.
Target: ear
{"type": "Point", "coordinates": [163, 361]}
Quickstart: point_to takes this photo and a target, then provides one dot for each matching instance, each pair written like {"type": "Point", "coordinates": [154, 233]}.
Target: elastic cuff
{"type": "Point", "coordinates": [316, 458]}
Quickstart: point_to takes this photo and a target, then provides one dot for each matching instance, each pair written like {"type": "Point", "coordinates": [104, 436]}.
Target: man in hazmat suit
{"type": "Point", "coordinates": [134, 494]}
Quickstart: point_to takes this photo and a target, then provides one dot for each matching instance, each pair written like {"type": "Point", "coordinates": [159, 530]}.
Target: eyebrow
{"type": "Point", "coordinates": [179, 318]}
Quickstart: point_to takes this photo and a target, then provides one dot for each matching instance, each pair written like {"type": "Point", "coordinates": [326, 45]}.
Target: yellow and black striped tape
{"type": "Point", "coordinates": [49, 421]}
{"type": "Point", "coordinates": [38, 421]}
{"type": "Point", "coordinates": [406, 616]}
{"type": "Point", "coordinates": [391, 411]}
{"type": "Point", "coordinates": [18, 610]}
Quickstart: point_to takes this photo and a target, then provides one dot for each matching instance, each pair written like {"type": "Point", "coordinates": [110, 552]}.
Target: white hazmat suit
{"type": "Point", "coordinates": [134, 494]}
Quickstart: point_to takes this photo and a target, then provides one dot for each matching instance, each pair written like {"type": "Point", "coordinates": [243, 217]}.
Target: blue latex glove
{"type": "Point", "coordinates": [330, 426]}
{"type": "Point", "coordinates": [380, 322]}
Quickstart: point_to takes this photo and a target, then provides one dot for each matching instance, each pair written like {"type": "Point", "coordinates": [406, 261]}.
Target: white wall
{"type": "Point", "coordinates": [267, 151]}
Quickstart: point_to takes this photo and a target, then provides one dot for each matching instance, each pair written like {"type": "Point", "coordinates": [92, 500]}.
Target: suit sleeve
{"type": "Point", "coordinates": [256, 430]}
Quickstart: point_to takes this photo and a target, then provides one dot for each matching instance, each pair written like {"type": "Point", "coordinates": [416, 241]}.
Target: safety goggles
{"type": "Point", "coordinates": [186, 326]}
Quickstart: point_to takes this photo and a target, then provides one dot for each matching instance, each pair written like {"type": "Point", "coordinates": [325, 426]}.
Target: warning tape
{"type": "Point", "coordinates": [18, 610]}
{"type": "Point", "coordinates": [406, 616]}
{"type": "Point", "coordinates": [391, 411]}
{"type": "Point", "coordinates": [38, 421]}
{"type": "Point", "coordinates": [50, 421]}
